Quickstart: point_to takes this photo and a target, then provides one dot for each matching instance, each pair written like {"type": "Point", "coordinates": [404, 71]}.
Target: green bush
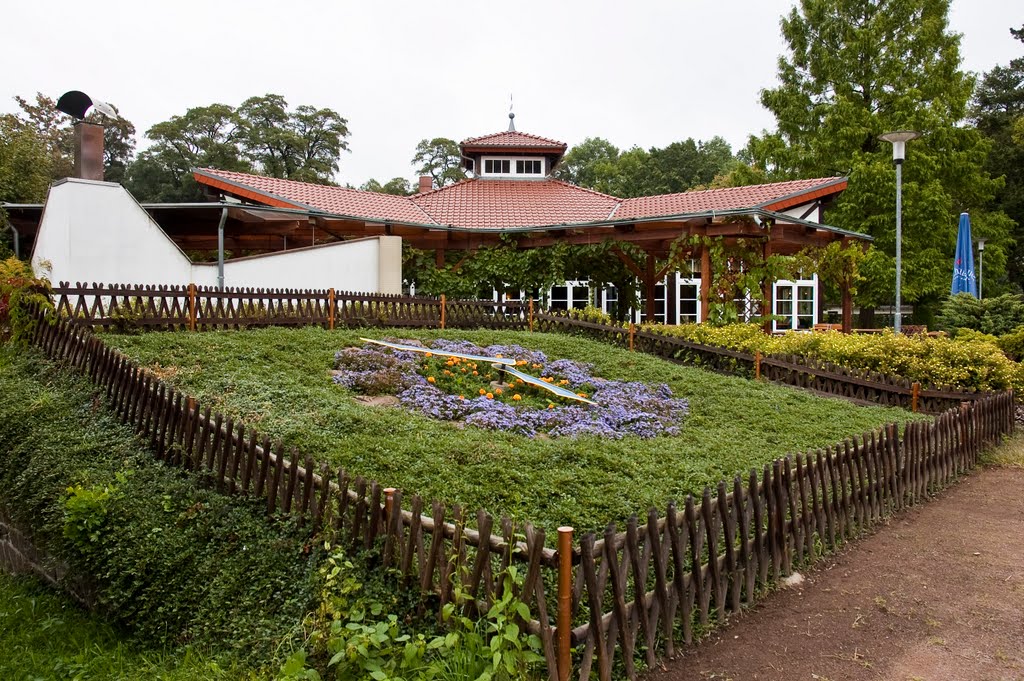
{"type": "Point", "coordinates": [1012, 344]}
{"type": "Point", "coordinates": [972, 360]}
{"type": "Point", "coordinates": [20, 291]}
{"type": "Point", "coordinates": [996, 316]}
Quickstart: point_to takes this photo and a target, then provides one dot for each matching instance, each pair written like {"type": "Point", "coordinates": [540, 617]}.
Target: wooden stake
{"type": "Point", "coordinates": [330, 308]}
{"type": "Point", "coordinates": [632, 335]}
{"type": "Point", "coordinates": [530, 307]}
{"type": "Point", "coordinates": [915, 393]}
{"type": "Point", "coordinates": [757, 365]}
{"type": "Point", "coordinates": [564, 622]}
{"type": "Point", "coordinates": [191, 307]}
{"type": "Point", "coordinates": [444, 305]}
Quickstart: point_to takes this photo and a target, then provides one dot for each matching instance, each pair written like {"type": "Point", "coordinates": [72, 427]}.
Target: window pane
{"type": "Point", "coordinates": [580, 297]}
{"type": "Point", "coordinates": [805, 307]}
{"type": "Point", "coordinates": [804, 322]}
{"type": "Point", "coordinates": [519, 166]}
{"type": "Point", "coordinates": [805, 293]}
{"type": "Point", "coordinates": [784, 308]}
{"type": "Point", "coordinates": [506, 166]}
{"type": "Point", "coordinates": [784, 293]}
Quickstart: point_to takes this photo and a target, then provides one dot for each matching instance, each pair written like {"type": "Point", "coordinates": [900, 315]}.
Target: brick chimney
{"type": "Point", "coordinates": [88, 151]}
{"type": "Point", "coordinates": [426, 183]}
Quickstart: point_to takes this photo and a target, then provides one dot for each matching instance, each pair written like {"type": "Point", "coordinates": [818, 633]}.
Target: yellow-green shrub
{"type": "Point", "coordinates": [971, 360]}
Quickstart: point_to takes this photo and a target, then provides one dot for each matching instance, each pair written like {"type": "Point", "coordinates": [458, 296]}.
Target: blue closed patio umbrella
{"type": "Point", "coordinates": [964, 280]}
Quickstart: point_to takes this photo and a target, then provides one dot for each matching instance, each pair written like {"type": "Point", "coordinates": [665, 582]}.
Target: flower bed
{"type": "Point", "coordinates": [479, 394]}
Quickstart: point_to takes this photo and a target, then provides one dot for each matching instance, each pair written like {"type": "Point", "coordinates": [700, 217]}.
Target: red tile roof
{"type": "Point", "coordinates": [513, 139]}
{"type": "Point", "coordinates": [774, 196]}
{"type": "Point", "coordinates": [502, 204]}
{"type": "Point", "coordinates": [336, 200]}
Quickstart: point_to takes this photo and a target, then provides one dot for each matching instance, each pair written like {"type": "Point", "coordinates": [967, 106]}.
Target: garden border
{"type": "Point", "coordinates": [758, 530]}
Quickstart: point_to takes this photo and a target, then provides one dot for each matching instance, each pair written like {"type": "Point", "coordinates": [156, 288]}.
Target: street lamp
{"type": "Point", "coordinates": [899, 140]}
{"type": "Point", "coordinates": [981, 263]}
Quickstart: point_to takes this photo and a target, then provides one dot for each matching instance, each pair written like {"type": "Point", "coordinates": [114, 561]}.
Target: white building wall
{"type": "Point", "coordinates": [96, 232]}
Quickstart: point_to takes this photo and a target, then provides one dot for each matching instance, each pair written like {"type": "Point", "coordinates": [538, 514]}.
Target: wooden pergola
{"type": "Point", "coordinates": [252, 228]}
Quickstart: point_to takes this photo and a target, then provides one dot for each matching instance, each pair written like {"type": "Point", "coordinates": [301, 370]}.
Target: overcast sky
{"type": "Point", "coordinates": [636, 73]}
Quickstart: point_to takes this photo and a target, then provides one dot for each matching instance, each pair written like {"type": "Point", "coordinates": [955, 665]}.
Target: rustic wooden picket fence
{"type": "Point", "coordinates": [202, 308]}
{"type": "Point", "coordinates": [624, 595]}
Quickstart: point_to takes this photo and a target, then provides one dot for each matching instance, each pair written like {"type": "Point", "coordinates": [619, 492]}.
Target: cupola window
{"type": "Point", "coordinates": [513, 166]}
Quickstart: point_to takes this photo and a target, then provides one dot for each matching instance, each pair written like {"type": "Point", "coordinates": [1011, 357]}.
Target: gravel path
{"type": "Point", "coordinates": [936, 594]}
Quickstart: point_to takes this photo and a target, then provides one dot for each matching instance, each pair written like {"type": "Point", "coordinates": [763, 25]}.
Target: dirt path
{"type": "Point", "coordinates": [937, 594]}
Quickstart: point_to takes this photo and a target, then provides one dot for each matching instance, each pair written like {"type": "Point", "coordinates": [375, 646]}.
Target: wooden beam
{"type": "Point", "coordinates": [649, 282]}
{"type": "Point", "coordinates": [767, 292]}
{"type": "Point", "coordinates": [705, 284]}
{"type": "Point", "coordinates": [628, 261]}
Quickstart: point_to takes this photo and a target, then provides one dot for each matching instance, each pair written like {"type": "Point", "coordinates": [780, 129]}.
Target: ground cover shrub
{"type": "Point", "coordinates": [45, 635]}
{"type": "Point", "coordinates": [278, 381]}
{"type": "Point", "coordinates": [20, 291]}
{"type": "Point", "coordinates": [353, 635]}
{"type": "Point", "coordinates": [171, 561]}
{"type": "Point", "coordinates": [453, 388]}
{"type": "Point", "coordinates": [997, 316]}
{"type": "Point", "coordinates": [968, 361]}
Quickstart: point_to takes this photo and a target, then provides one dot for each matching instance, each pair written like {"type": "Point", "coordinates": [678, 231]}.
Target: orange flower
{"type": "Point", "coordinates": [430, 379]}
{"type": "Point", "coordinates": [536, 366]}
{"type": "Point", "coordinates": [517, 397]}
{"type": "Point", "coordinates": [563, 382]}
{"type": "Point", "coordinates": [483, 391]}
{"type": "Point", "coordinates": [475, 373]}
{"type": "Point", "coordinates": [489, 396]}
{"type": "Point", "coordinates": [497, 391]}
{"type": "Point", "coordinates": [428, 354]}
{"type": "Point", "coordinates": [498, 356]}
{"type": "Point", "coordinates": [581, 395]}
{"type": "Point", "coordinates": [462, 397]}
{"type": "Point", "coordinates": [551, 406]}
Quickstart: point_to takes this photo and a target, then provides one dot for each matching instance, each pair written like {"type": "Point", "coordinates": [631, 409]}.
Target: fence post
{"type": "Point", "coordinates": [915, 391]}
{"type": "Point", "coordinates": [757, 365]}
{"type": "Point", "coordinates": [632, 335]}
{"type": "Point", "coordinates": [330, 308]}
{"type": "Point", "coordinates": [444, 306]}
{"type": "Point", "coordinates": [564, 622]}
{"type": "Point", "coordinates": [530, 307]}
{"type": "Point", "coordinates": [191, 307]}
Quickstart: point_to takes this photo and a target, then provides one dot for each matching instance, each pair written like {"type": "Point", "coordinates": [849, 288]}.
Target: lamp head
{"type": "Point", "coordinates": [981, 244]}
{"type": "Point", "coordinates": [899, 139]}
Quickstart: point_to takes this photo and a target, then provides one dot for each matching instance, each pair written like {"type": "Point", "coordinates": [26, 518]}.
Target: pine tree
{"type": "Point", "coordinates": [855, 70]}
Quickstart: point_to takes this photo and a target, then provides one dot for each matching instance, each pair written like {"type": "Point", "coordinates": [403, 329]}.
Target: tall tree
{"type": "Point", "coordinates": [55, 129]}
{"type": "Point", "coordinates": [998, 109]}
{"type": "Point", "coordinates": [856, 69]}
{"type": "Point", "coordinates": [441, 159]}
{"type": "Point", "coordinates": [206, 136]}
{"type": "Point", "coordinates": [588, 163]}
{"type": "Point", "coordinates": [597, 164]}
{"type": "Point", "coordinates": [304, 144]}
{"type": "Point", "coordinates": [398, 186]}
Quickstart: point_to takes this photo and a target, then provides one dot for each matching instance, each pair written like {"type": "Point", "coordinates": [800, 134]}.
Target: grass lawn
{"type": "Point", "coordinates": [44, 635]}
{"type": "Point", "coordinates": [278, 381]}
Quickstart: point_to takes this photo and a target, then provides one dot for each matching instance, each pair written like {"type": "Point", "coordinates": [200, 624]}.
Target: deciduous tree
{"type": "Point", "coordinates": [441, 159]}
{"type": "Point", "coordinates": [856, 69]}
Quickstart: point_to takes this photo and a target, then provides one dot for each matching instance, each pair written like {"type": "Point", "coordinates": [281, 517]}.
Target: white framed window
{"type": "Point", "coordinates": [797, 303]}
{"type": "Point", "coordinates": [530, 167]}
{"type": "Point", "coordinates": [573, 295]}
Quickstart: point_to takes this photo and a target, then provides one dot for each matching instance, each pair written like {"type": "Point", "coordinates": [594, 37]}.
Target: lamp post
{"type": "Point", "coordinates": [981, 263]}
{"type": "Point", "coordinates": [899, 140]}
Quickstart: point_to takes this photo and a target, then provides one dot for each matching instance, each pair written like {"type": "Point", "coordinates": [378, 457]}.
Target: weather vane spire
{"type": "Point", "coordinates": [511, 115]}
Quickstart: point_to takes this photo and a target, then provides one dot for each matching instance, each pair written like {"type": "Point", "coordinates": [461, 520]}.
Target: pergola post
{"type": "Point", "coordinates": [767, 293]}
{"type": "Point", "coordinates": [847, 305]}
{"type": "Point", "coordinates": [705, 283]}
{"type": "Point", "coordinates": [650, 279]}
